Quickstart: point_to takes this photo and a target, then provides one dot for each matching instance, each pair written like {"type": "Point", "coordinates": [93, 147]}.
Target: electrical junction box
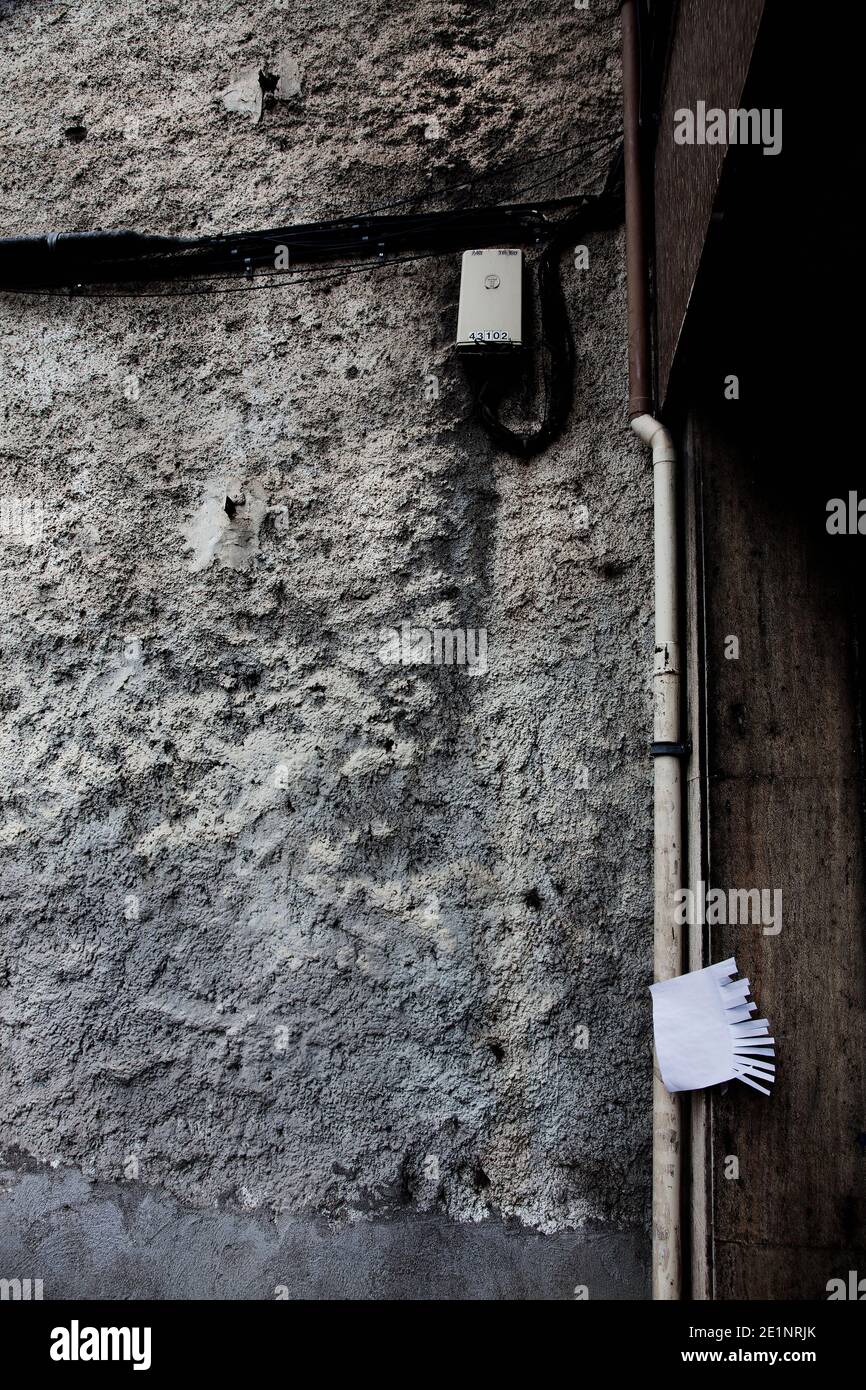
{"type": "Point", "coordinates": [491, 300]}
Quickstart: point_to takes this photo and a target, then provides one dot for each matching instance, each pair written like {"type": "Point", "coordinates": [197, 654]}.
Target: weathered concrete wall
{"type": "Point", "coordinates": [290, 932]}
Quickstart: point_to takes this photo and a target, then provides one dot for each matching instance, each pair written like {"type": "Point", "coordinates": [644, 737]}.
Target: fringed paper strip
{"type": "Point", "coordinates": [705, 1033]}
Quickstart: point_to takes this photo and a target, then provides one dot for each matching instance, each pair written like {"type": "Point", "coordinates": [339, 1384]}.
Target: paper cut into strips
{"type": "Point", "coordinates": [704, 1032]}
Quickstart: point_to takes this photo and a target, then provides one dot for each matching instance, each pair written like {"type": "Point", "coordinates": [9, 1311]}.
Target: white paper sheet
{"type": "Point", "coordinates": [704, 1032]}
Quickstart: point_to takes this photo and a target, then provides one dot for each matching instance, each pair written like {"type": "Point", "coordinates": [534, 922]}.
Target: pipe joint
{"type": "Point", "coordinates": [659, 439]}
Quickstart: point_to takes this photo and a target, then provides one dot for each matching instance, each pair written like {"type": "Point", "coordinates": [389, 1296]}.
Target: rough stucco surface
{"type": "Point", "coordinates": [288, 931]}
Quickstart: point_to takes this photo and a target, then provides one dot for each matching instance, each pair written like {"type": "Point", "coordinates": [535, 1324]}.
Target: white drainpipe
{"type": "Point", "coordinates": [668, 850]}
{"type": "Point", "coordinates": [668, 1137]}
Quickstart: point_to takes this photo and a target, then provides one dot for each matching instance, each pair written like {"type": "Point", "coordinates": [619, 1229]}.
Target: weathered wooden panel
{"type": "Point", "coordinates": [709, 59]}
{"type": "Point", "coordinates": [777, 780]}
{"type": "Point", "coordinates": [753, 1272]}
{"type": "Point", "coordinates": [785, 811]}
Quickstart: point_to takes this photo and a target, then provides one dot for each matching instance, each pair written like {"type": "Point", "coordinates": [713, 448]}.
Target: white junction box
{"type": "Point", "coordinates": [491, 299]}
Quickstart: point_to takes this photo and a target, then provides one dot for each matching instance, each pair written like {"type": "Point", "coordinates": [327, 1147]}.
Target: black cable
{"type": "Point", "coordinates": [75, 258]}
{"type": "Point", "coordinates": [288, 277]}
{"type": "Point", "coordinates": [289, 280]}
{"type": "Point", "coordinates": [70, 259]}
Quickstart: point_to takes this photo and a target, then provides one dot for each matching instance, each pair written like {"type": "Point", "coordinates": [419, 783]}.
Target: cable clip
{"type": "Point", "coordinates": [671, 750]}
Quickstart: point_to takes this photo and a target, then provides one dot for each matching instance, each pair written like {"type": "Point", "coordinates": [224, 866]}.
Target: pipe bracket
{"type": "Point", "coordinates": [671, 750]}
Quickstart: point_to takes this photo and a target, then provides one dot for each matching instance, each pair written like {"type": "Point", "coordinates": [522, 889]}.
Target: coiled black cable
{"type": "Point", "coordinates": [493, 375]}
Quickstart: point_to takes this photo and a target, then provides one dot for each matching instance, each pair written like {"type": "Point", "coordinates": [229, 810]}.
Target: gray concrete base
{"type": "Point", "coordinates": [101, 1240]}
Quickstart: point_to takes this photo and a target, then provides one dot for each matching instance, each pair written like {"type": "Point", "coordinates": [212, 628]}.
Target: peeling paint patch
{"type": "Point", "coordinates": [226, 525]}
{"type": "Point", "coordinates": [289, 84]}
{"type": "Point", "coordinates": [244, 94]}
